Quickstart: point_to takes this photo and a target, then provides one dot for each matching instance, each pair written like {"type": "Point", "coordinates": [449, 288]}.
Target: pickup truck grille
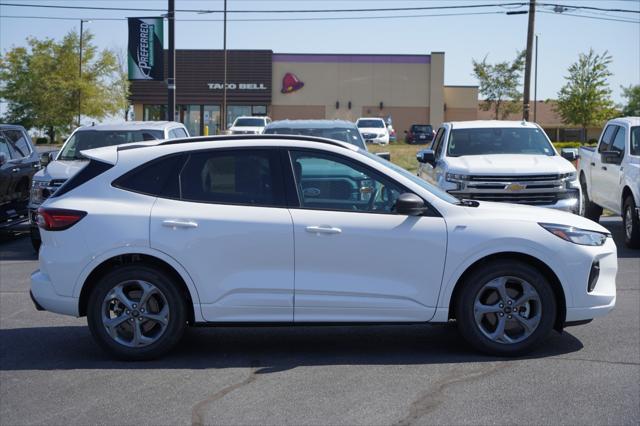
{"type": "Point", "coordinates": [535, 190]}
{"type": "Point", "coordinates": [514, 178]}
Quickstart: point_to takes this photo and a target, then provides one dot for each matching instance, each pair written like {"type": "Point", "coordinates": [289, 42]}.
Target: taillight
{"type": "Point", "coordinates": [58, 219]}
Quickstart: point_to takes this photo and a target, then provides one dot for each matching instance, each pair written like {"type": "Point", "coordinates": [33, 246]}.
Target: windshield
{"type": "Point", "coordinates": [343, 134]}
{"type": "Point", "coordinates": [505, 140]}
{"type": "Point", "coordinates": [635, 140]}
{"type": "Point", "coordinates": [249, 122]}
{"type": "Point", "coordinates": [90, 139]}
{"type": "Point", "coordinates": [415, 179]}
{"type": "Point", "coordinates": [422, 129]}
{"type": "Point", "coordinates": [378, 124]}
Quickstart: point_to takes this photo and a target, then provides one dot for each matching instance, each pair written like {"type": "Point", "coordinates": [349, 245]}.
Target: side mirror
{"type": "Point", "coordinates": [426, 156]}
{"type": "Point", "coordinates": [611, 157]}
{"type": "Point", "coordinates": [385, 155]}
{"type": "Point", "coordinates": [3, 158]}
{"type": "Point", "coordinates": [405, 132]}
{"type": "Point", "coordinates": [45, 159]}
{"type": "Point", "coordinates": [570, 154]}
{"type": "Point", "coordinates": [410, 204]}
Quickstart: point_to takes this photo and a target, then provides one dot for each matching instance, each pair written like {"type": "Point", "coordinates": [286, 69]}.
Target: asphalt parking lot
{"type": "Point", "coordinates": [51, 372]}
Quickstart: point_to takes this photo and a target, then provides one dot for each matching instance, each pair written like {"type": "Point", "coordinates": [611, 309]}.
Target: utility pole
{"type": "Point", "coordinates": [535, 86]}
{"type": "Point", "coordinates": [171, 66]}
{"type": "Point", "coordinates": [527, 66]}
{"type": "Point", "coordinates": [82, 21]}
{"type": "Point", "coordinates": [223, 115]}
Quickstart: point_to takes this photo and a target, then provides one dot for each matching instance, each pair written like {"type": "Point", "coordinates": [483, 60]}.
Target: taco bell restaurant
{"type": "Point", "coordinates": [406, 89]}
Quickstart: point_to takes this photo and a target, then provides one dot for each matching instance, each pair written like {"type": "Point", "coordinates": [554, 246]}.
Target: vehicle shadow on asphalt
{"type": "Point", "coordinates": [16, 245]}
{"type": "Point", "coordinates": [271, 349]}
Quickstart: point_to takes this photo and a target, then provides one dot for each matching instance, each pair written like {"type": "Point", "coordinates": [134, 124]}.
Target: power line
{"type": "Point", "coordinates": [602, 18]}
{"type": "Point", "coordinates": [386, 9]}
{"type": "Point", "coordinates": [336, 18]}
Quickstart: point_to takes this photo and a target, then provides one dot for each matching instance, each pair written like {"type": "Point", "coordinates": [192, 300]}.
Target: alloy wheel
{"type": "Point", "coordinates": [135, 313]}
{"type": "Point", "coordinates": [507, 309]}
{"type": "Point", "coordinates": [628, 222]}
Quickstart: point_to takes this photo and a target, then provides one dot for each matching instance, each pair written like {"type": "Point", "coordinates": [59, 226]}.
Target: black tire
{"type": "Point", "coordinates": [473, 284]}
{"type": "Point", "coordinates": [589, 209]}
{"type": "Point", "coordinates": [631, 239]}
{"type": "Point", "coordinates": [35, 239]}
{"type": "Point", "coordinates": [175, 300]}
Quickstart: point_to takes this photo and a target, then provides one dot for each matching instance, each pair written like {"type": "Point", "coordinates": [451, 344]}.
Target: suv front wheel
{"type": "Point", "coordinates": [136, 313]}
{"type": "Point", "coordinates": [505, 308]}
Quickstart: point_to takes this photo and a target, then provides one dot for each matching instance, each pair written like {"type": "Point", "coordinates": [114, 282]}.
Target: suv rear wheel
{"type": "Point", "coordinates": [136, 313]}
{"type": "Point", "coordinates": [505, 308]}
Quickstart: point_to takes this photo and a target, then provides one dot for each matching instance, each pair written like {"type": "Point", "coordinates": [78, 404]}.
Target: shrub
{"type": "Point", "coordinates": [42, 141]}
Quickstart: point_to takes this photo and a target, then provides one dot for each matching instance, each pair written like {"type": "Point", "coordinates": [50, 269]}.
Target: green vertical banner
{"type": "Point", "coordinates": [146, 51]}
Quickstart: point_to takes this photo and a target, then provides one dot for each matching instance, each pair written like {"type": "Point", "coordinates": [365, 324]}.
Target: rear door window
{"type": "Point", "coordinates": [244, 177]}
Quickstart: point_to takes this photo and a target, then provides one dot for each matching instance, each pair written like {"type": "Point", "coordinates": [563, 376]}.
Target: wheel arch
{"type": "Point", "coordinates": [101, 269]}
{"type": "Point", "coordinates": [545, 269]}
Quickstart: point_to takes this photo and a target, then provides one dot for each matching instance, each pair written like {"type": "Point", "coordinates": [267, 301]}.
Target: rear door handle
{"type": "Point", "coordinates": [176, 223]}
{"type": "Point", "coordinates": [15, 170]}
{"type": "Point", "coordinates": [593, 164]}
{"type": "Point", "coordinates": [604, 167]}
{"type": "Point", "coordinates": [323, 230]}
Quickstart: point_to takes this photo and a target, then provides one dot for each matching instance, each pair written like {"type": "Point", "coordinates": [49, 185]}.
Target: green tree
{"type": "Point", "coordinates": [585, 100]}
{"type": "Point", "coordinates": [41, 84]}
{"type": "Point", "coordinates": [632, 108]}
{"type": "Point", "coordinates": [121, 85]}
{"type": "Point", "coordinates": [499, 85]}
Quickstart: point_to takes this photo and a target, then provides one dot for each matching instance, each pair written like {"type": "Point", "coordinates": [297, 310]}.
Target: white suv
{"type": "Point", "coordinates": [373, 130]}
{"type": "Point", "coordinates": [249, 125]}
{"type": "Point", "coordinates": [150, 237]}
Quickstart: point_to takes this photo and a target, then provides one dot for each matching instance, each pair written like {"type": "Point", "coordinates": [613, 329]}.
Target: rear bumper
{"type": "Point", "coordinates": [45, 297]}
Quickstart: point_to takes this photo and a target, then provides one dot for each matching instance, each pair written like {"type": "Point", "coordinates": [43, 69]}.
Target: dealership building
{"type": "Point", "coordinates": [407, 89]}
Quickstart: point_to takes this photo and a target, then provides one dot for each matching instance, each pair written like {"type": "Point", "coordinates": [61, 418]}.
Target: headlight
{"type": "Point", "coordinates": [39, 191]}
{"type": "Point", "coordinates": [576, 235]}
{"type": "Point", "coordinates": [454, 177]}
{"type": "Point", "coordinates": [569, 176]}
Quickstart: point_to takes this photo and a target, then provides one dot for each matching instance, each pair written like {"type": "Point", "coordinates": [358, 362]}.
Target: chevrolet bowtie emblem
{"type": "Point", "coordinates": [515, 187]}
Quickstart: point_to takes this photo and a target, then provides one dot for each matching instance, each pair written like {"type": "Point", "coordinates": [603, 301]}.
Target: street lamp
{"type": "Point", "coordinates": [82, 21]}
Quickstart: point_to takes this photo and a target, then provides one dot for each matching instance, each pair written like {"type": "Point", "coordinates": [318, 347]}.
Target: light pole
{"type": "Point", "coordinates": [535, 86]}
{"type": "Point", "coordinates": [224, 84]}
{"type": "Point", "coordinates": [171, 67]}
{"type": "Point", "coordinates": [82, 21]}
{"type": "Point", "coordinates": [527, 65]}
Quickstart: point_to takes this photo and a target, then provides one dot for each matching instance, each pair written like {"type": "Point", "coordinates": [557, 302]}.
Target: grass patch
{"type": "Point", "coordinates": [402, 154]}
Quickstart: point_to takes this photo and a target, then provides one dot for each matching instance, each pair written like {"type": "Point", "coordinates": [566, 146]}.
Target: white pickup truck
{"type": "Point", "coordinates": [503, 161]}
{"type": "Point", "coordinates": [610, 176]}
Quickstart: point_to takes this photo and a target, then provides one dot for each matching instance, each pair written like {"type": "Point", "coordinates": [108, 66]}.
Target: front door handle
{"type": "Point", "coordinates": [15, 170]}
{"type": "Point", "coordinates": [593, 164]}
{"type": "Point", "coordinates": [604, 167]}
{"type": "Point", "coordinates": [323, 230]}
{"type": "Point", "coordinates": [176, 223]}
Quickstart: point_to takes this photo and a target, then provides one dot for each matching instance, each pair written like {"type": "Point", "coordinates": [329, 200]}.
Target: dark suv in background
{"type": "Point", "coordinates": [419, 133]}
{"type": "Point", "coordinates": [18, 163]}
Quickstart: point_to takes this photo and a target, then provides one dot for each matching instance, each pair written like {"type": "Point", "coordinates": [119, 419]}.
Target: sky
{"type": "Point", "coordinates": [497, 36]}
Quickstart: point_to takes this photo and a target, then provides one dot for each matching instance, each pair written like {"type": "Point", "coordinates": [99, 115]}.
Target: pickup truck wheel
{"type": "Point", "coordinates": [136, 313]}
{"type": "Point", "coordinates": [589, 209]}
{"type": "Point", "coordinates": [631, 223]}
{"type": "Point", "coordinates": [505, 308]}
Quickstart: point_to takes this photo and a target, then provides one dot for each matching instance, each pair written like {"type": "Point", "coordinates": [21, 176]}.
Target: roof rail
{"type": "Point", "coordinates": [241, 137]}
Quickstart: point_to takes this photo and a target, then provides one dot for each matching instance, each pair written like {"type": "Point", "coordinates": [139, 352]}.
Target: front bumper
{"type": "Point", "coordinates": [45, 297]}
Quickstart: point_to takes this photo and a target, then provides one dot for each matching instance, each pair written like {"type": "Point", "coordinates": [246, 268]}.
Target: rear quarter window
{"type": "Point", "coordinates": [158, 177]}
